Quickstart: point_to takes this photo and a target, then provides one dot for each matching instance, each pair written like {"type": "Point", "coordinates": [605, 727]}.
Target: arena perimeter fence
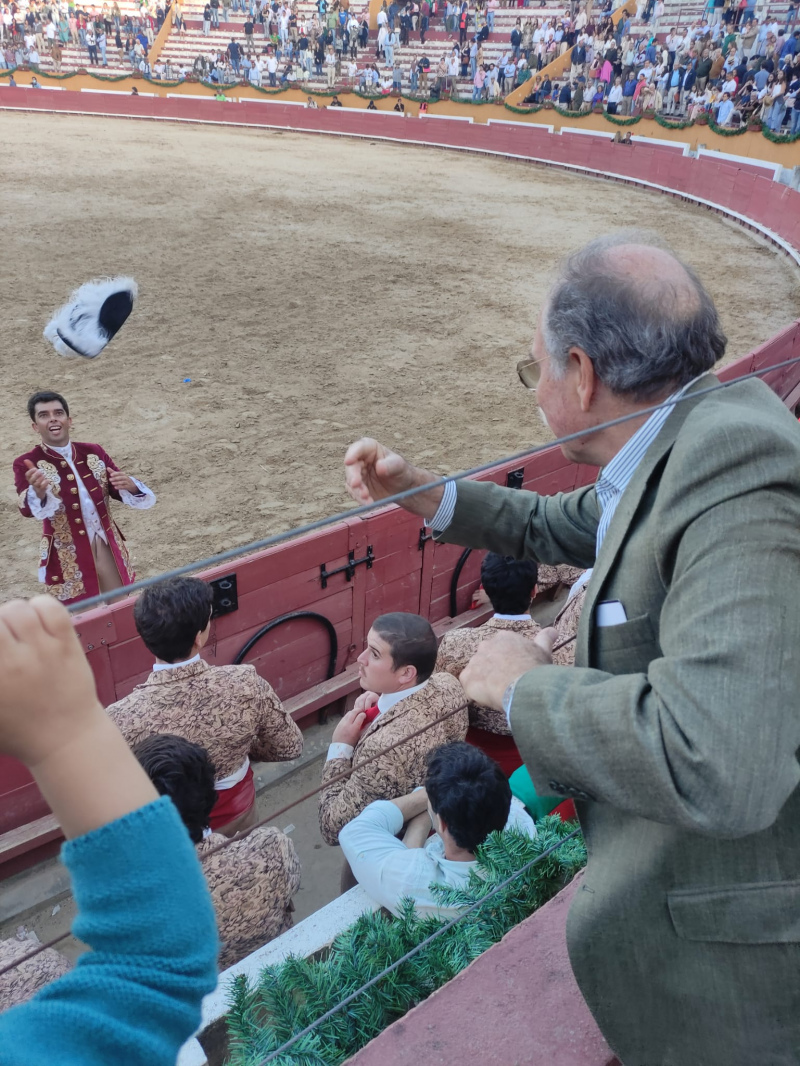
{"type": "Point", "coordinates": [356, 512]}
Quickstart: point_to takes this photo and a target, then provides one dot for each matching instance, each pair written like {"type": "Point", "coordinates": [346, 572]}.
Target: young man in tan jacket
{"type": "Point", "coordinates": [229, 710]}
{"type": "Point", "coordinates": [401, 695]}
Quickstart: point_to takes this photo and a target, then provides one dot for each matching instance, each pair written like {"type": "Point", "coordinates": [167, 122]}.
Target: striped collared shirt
{"type": "Point", "coordinates": [613, 480]}
{"type": "Point", "coordinates": [616, 476]}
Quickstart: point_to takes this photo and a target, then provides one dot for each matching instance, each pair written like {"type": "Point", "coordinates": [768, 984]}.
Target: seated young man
{"type": "Point", "coordinates": [252, 881]}
{"type": "Point", "coordinates": [466, 796]}
{"type": "Point", "coordinates": [402, 694]}
{"type": "Point", "coordinates": [510, 585]}
{"type": "Point", "coordinates": [229, 710]}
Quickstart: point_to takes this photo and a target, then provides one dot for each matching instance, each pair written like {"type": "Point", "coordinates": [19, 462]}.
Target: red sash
{"type": "Point", "coordinates": [231, 802]}
{"type": "Point", "coordinates": [498, 747]}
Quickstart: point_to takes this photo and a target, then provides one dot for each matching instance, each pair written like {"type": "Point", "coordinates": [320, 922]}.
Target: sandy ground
{"type": "Point", "coordinates": [313, 290]}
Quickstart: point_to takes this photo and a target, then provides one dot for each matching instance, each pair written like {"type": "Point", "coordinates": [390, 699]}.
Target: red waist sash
{"type": "Point", "coordinates": [498, 747]}
{"type": "Point", "coordinates": [231, 802]}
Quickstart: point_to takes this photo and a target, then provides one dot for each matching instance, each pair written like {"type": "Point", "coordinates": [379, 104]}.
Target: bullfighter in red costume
{"type": "Point", "coordinates": [68, 486]}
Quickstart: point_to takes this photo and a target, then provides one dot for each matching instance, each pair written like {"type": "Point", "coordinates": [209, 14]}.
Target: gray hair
{"type": "Point", "coordinates": [642, 333]}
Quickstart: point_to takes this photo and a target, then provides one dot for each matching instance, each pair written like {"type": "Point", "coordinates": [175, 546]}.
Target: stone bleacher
{"type": "Point", "coordinates": [182, 50]}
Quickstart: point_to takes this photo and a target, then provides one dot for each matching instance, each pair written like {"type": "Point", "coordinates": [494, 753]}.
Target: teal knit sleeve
{"type": "Point", "coordinates": [145, 911]}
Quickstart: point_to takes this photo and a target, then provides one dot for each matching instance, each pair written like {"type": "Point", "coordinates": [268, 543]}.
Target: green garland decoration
{"type": "Point", "coordinates": [287, 997]}
{"type": "Point", "coordinates": [52, 74]}
{"type": "Point", "coordinates": [680, 125]}
{"type": "Point", "coordinates": [571, 114]}
{"type": "Point", "coordinates": [7, 72]}
{"type": "Point", "coordinates": [722, 131]}
{"type": "Point", "coordinates": [531, 110]}
{"type": "Point", "coordinates": [777, 138]}
{"type": "Point", "coordinates": [623, 120]}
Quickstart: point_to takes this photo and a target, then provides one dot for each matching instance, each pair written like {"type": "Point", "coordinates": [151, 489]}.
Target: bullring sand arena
{"type": "Point", "coordinates": [312, 289]}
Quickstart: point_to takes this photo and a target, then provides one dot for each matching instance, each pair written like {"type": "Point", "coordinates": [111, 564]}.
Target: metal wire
{"type": "Point", "coordinates": [366, 508]}
{"type": "Point", "coordinates": [410, 954]}
{"type": "Point", "coordinates": [282, 810]}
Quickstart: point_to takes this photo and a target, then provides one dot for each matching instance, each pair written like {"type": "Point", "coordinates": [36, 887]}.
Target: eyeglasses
{"type": "Point", "coordinates": [530, 372]}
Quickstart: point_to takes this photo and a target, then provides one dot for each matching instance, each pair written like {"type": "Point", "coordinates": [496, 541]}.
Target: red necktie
{"type": "Point", "coordinates": [371, 713]}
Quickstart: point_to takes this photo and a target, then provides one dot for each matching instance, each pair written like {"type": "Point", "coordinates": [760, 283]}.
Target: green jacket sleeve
{"type": "Point", "coordinates": [550, 529]}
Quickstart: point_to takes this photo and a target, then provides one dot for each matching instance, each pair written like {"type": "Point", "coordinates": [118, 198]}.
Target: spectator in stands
{"type": "Point", "coordinates": [214, 5]}
{"type": "Point", "coordinates": [252, 881]}
{"type": "Point", "coordinates": [777, 103]}
{"type": "Point", "coordinates": [668, 730]}
{"type": "Point", "coordinates": [510, 585]}
{"type": "Point", "coordinates": [466, 797]}
{"type": "Point", "coordinates": [402, 694]}
{"type": "Point", "coordinates": [335, 102]}
{"type": "Point", "coordinates": [143, 906]}
{"type": "Point", "coordinates": [230, 710]}
{"type": "Point", "coordinates": [724, 110]}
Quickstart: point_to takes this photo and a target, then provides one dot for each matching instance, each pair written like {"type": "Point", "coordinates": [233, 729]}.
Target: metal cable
{"type": "Point", "coordinates": [282, 810]}
{"type": "Point", "coordinates": [366, 508]}
{"type": "Point", "coordinates": [410, 954]}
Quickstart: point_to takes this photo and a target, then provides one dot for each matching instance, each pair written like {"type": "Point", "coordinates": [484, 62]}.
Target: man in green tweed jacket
{"type": "Point", "coordinates": [677, 730]}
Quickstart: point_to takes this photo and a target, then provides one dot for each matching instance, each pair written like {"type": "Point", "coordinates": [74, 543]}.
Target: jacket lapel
{"type": "Point", "coordinates": [626, 509]}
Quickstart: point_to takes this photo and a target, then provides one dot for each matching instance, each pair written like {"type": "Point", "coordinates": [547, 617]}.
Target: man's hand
{"type": "Point", "coordinates": [349, 728]}
{"type": "Point", "coordinates": [502, 659]}
{"type": "Point", "coordinates": [123, 483]}
{"type": "Point", "coordinates": [48, 695]}
{"type": "Point", "coordinates": [373, 472]}
{"type": "Point", "coordinates": [365, 701]}
{"type": "Point", "coordinates": [37, 479]}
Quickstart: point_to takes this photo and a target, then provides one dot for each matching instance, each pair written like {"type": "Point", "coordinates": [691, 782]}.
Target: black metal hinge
{"type": "Point", "coordinates": [514, 478]}
{"type": "Point", "coordinates": [226, 595]}
{"type": "Point", "coordinates": [349, 567]}
{"type": "Point", "coordinates": [423, 536]}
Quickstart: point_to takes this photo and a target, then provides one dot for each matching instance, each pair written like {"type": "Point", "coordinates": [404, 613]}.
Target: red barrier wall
{"type": "Point", "coordinates": [404, 576]}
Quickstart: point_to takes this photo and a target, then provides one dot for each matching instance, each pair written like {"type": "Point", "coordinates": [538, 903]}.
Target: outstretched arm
{"type": "Point", "coordinates": [136, 996]}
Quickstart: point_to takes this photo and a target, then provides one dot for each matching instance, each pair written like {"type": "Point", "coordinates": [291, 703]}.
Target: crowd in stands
{"type": "Point", "coordinates": [734, 69]}
{"type": "Point", "coordinates": [396, 759]}
{"type": "Point", "coordinates": [37, 30]}
{"type": "Point", "coordinates": [730, 66]}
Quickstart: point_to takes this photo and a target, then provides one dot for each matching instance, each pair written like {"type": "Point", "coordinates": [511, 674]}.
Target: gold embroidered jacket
{"type": "Point", "coordinates": [252, 882]}
{"type": "Point", "coordinates": [457, 648]}
{"type": "Point", "coordinates": [229, 710]}
{"type": "Point", "coordinates": [400, 770]}
{"type": "Point", "coordinates": [65, 552]}
{"type": "Point", "coordinates": [28, 977]}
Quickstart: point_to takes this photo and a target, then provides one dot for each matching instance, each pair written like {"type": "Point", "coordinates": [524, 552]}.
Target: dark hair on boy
{"type": "Point", "coordinates": [411, 640]}
{"type": "Point", "coordinates": [183, 771]}
{"type": "Point", "coordinates": [45, 397]}
{"type": "Point", "coordinates": [509, 583]}
{"type": "Point", "coordinates": [169, 616]}
{"type": "Point", "coordinates": [468, 791]}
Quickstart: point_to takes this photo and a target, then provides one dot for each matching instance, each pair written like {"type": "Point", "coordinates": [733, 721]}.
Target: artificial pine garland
{"type": "Point", "coordinates": [777, 138]}
{"type": "Point", "coordinates": [531, 110]}
{"type": "Point", "coordinates": [668, 125]}
{"type": "Point", "coordinates": [630, 120]}
{"type": "Point", "coordinates": [723, 131]}
{"type": "Point", "coordinates": [291, 995]}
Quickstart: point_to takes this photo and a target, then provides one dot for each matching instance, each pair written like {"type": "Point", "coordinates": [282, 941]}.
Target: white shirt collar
{"type": "Point", "coordinates": [511, 617]}
{"type": "Point", "coordinates": [66, 451]}
{"type": "Point", "coordinates": [389, 699]}
{"type": "Point", "coordinates": [174, 666]}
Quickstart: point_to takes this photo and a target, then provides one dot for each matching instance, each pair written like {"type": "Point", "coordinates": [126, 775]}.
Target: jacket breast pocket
{"type": "Point", "coordinates": [759, 913]}
{"type": "Point", "coordinates": [627, 648]}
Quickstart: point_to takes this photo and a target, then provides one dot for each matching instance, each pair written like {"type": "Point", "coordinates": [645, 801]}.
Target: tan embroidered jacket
{"type": "Point", "coordinates": [457, 648]}
{"type": "Point", "coordinates": [400, 770]}
{"type": "Point", "coordinates": [26, 979]}
{"type": "Point", "coordinates": [229, 710]}
{"type": "Point", "coordinates": [252, 882]}
{"type": "Point", "coordinates": [551, 576]}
